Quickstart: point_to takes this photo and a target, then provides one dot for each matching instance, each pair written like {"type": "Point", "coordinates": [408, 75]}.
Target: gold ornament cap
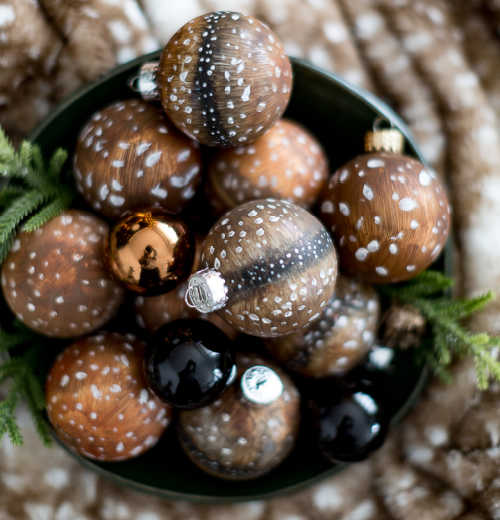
{"type": "Point", "coordinates": [379, 139]}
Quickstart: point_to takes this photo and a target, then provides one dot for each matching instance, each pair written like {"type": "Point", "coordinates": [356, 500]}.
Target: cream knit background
{"type": "Point", "coordinates": [437, 62]}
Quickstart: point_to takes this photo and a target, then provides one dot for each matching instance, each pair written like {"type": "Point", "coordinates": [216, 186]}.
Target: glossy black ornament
{"type": "Point", "coordinates": [188, 363]}
{"type": "Point", "coordinates": [384, 369]}
{"type": "Point", "coordinates": [349, 420]}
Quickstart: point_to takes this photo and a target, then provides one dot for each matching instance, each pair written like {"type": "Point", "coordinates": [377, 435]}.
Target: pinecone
{"type": "Point", "coordinates": [402, 326]}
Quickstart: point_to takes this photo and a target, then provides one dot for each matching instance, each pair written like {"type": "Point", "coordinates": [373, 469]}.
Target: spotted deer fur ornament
{"type": "Point", "coordinates": [55, 279]}
{"type": "Point", "coordinates": [268, 266]}
{"type": "Point", "coordinates": [129, 156]}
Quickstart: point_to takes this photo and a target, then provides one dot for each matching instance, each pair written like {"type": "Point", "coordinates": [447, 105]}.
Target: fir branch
{"type": "Point", "coordinates": [24, 384]}
{"type": "Point", "coordinates": [49, 212]}
{"type": "Point", "coordinates": [444, 316]}
{"type": "Point", "coordinates": [33, 192]}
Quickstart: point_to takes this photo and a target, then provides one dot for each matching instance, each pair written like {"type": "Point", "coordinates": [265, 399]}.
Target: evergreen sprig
{"type": "Point", "coordinates": [20, 372]}
{"type": "Point", "coordinates": [445, 315]}
{"type": "Point", "coordinates": [31, 191]}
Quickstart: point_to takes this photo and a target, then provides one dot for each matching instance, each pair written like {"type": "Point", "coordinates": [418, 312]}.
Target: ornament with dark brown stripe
{"type": "Point", "coordinates": [339, 339]}
{"type": "Point", "coordinates": [269, 267]}
{"type": "Point", "coordinates": [224, 78]}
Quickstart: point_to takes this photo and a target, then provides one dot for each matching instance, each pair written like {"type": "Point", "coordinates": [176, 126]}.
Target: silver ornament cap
{"type": "Point", "coordinates": [144, 83]}
{"type": "Point", "coordinates": [261, 385]}
{"type": "Point", "coordinates": [206, 291]}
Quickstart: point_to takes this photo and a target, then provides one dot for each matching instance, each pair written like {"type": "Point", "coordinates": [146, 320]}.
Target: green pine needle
{"type": "Point", "coordinates": [19, 370]}
{"type": "Point", "coordinates": [31, 192]}
{"type": "Point", "coordinates": [450, 339]}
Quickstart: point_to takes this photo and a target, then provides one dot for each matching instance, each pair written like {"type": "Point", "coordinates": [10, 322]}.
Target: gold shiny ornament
{"type": "Point", "coordinates": [150, 252]}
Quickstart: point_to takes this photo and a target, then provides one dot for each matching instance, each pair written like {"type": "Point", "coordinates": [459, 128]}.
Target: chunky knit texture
{"type": "Point", "coordinates": [436, 62]}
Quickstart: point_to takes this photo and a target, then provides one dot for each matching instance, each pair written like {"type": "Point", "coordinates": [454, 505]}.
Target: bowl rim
{"type": "Point", "coordinates": [363, 96]}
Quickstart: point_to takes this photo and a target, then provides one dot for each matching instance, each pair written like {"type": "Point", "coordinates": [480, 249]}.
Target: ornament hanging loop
{"type": "Point", "coordinates": [144, 83]}
{"type": "Point", "coordinates": [206, 291]}
{"type": "Point", "coordinates": [383, 138]}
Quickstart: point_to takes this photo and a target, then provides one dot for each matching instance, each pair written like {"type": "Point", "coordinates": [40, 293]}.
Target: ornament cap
{"type": "Point", "coordinates": [144, 83]}
{"type": "Point", "coordinates": [261, 385]}
{"type": "Point", "coordinates": [206, 291]}
{"type": "Point", "coordinates": [381, 139]}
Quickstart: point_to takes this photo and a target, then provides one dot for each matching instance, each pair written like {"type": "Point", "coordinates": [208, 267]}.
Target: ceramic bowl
{"type": "Point", "coordinates": [338, 114]}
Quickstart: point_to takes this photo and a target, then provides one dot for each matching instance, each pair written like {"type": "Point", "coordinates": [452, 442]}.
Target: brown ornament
{"type": "Point", "coordinates": [389, 216]}
{"type": "Point", "coordinates": [287, 162]}
{"type": "Point", "coordinates": [55, 279]}
{"type": "Point", "coordinates": [98, 401]}
{"type": "Point", "coordinates": [150, 252]}
{"type": "Point", "coordinates": [129, 156]}
{"type": "Point", "coordinates": [155, 311]}
{"type": "Point", "coordinates": [224, 78]}
{"type": "Point", "coordinates": [338, 339]}
{"type": "Point", "coordinates": [269, 267]}
{"type": "Point", "coordinates": [250, 429]}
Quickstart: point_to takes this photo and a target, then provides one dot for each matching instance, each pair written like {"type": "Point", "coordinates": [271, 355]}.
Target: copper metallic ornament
{"type": "Point", "coordinates": [338, 339]}
{"type": "Point", "coordinates": [223, 79]}
{"type": "Point", "coordinates": [98, 401]}
{"type": "Point", "coordinates": [55, 279]}
{"type": "Point", "coordinates": [287, 162]}
{"type": "Point", "coordinates": [129, 156]}
{"type": "Point", "coordinates": [389, 214]}
{"type": "Point", "coordinates": [250, 429]}
{"type": "Point", "coordinates": [268, 266]}
{"type": "Point", "coordinates": [150, 252]}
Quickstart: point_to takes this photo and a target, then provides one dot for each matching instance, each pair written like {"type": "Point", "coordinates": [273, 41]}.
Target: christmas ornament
{"type": "Point", "coordinates": [388, 213]}
{"type": "Point", "coordinates": [154, 311]}
{"type": "Point", "coordinates": [403, 326]}
{"type": "Point", "coordinates": [150, 252]}
{"type": "Point", "coordinates": [269, 267]}
{"type": "Point", "coordinates": [129, 156]}
{"type": "Point", "coordinates": [98, 401]}
{"type": "Point", "coordinates": [349, 422]}
{"type": "Point", "coordinates": [223, 79]}
{"type": "Point", "coordinates": [55, 280]}
{"type": "Point", "coordinates": [285, 163]}
{"type": "Point", "coordinates": [250, 429]}
{"type": "Point", "coordinates": [338, 339]}
{"type": "Point", "coordinates": [188, 363]}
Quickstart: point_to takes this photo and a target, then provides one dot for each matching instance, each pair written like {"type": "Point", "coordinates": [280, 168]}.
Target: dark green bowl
{"type": "Point", "coordinates": [339, 115]}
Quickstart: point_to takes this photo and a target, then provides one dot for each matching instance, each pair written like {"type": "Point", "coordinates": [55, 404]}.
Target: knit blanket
{"type": "Point", "coordinates": [436, 62]}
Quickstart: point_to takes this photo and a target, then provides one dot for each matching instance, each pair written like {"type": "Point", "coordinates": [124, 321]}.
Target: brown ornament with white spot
{"type": "Point", "coordinates": [388, 213]}
{"type": "Point", "coordinates": [55, 280]}
{"type": "Point", "coordinates": [98, 401]}
{"type": "Point", "coordinates": [287, 162]}
{"type": "Point", "coordinates": [223, 79]}
{"type": "Point", "coordinates": [130, 156]}
{"type": "Point", "coordinates": [268, 266]}
{"type": "Point", "coordinates": [338, 339]}
{"type": "Point", "coordinates": [250, 429]}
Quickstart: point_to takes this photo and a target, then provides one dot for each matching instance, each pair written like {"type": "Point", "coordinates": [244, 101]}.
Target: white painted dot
{"type": "Point", "coordinates": [367, 192]}
{"type": "Point", "coordinates": [407, 204]}
{"type": "Point", "coordinates": [382, 271]}
{"type": "Point", "coordinates": [393, 249]}
{"type": "Point", "coordinates": [344, 209]}
{"type": "Point", "coordinates": [375, 163]}
{"type": "Point", "coordinates": [373, 246]}
{"type": "Point", "coordinates": [424, 178]}
{"type": "Point", "coordinates": [361, 254]}
{"type": "Point", "coordinates": [414, 224]}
